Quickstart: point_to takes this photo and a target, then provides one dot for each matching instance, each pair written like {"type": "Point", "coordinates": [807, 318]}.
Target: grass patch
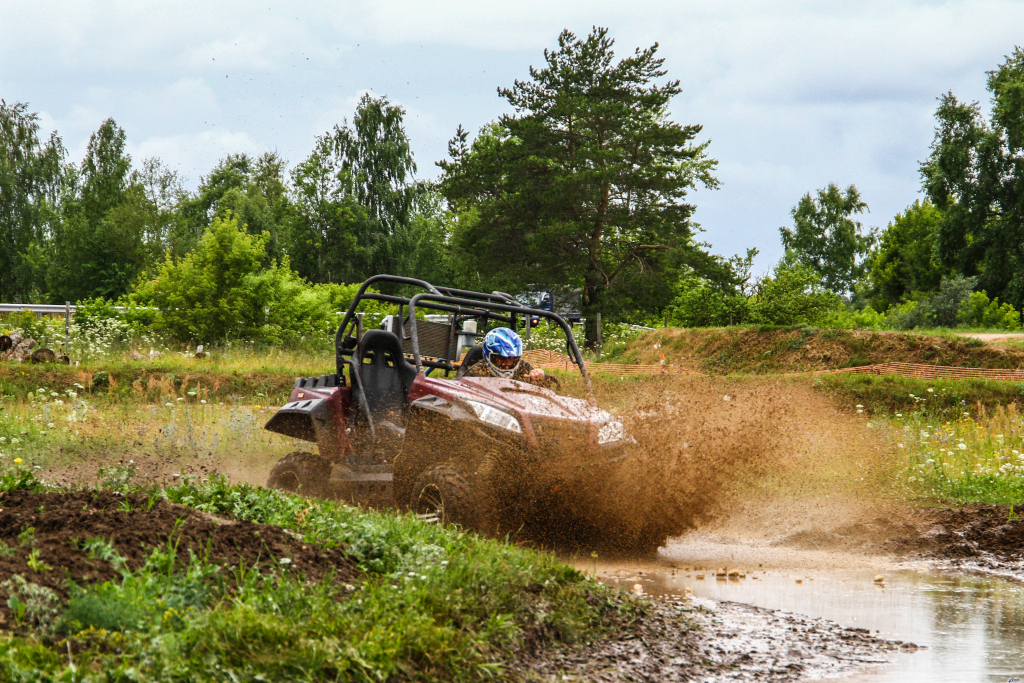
{"type": "Point", "coordinates": [936, 399]}
{"type": "Point", "coordinates": [975, 458]}
{"type": "Point", "coordinates": [436, 604]}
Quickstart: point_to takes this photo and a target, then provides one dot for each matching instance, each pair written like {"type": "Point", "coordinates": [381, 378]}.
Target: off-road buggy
{"type": "Point", "coordinates": [400, 425]}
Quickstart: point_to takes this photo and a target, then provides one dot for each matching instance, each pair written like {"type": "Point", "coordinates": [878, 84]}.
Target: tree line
{"type": "Point", "coordinates": [585, 185]}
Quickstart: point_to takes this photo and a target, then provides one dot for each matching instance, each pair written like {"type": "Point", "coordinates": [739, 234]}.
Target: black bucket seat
{"type": "Point", "coordinates": [385, 377]}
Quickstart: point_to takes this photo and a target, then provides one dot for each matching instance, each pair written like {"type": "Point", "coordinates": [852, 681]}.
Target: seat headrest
{"type": "Point", "coordinates": [383, 341]}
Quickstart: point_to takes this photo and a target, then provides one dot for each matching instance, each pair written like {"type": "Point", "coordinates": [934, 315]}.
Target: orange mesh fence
{"type": "Point", "coordinates": [550, 360]}
{"type": "Point", "coordinates": [922, 371]}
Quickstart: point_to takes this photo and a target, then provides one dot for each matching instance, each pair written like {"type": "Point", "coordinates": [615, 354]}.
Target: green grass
{"type": "Point", "coordinates": [976, 458]}
{"type": "Point", "coordinates": [933, 398]}
{"type": "Point", "coordinates": [436, 604]}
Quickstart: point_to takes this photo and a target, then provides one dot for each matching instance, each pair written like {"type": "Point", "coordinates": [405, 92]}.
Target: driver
{"type": "Point", "coordinates": [503, 357]}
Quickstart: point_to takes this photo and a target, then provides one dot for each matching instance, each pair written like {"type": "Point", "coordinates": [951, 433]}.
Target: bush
{"type": "Point", "coordinates": [794, 295]}
{"type": "Point", "coordinates": [222, 291]}
{"type": "Point", "coordinates": [702, 305]}
{"type": "Point", "coordinates": [978, 311]}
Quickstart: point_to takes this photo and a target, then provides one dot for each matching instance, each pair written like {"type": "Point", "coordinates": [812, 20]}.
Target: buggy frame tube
{"type": "Point", "coordinates": [339, 337]}
{"type": "Point", "coordinates": [474, 306]}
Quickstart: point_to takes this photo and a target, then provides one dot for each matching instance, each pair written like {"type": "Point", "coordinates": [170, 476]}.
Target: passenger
{"type": "Point", "coordinates": [503, 357]}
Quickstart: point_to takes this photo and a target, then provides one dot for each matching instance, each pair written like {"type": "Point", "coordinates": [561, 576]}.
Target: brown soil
{"type": "Point", "coordinates": [135, 525]}
{"type": "Point", "coordinates": [774, 350]}
{"type": "Point", "coordinates": [991, 535]}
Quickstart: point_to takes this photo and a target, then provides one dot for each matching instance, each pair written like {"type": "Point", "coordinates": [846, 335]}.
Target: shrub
{"type": "Point", "coordinates": [793, 295]}
{"type": "Point", "coordinates": [222, 291]}
{"type": "Point", "coordinates": [978, 311]}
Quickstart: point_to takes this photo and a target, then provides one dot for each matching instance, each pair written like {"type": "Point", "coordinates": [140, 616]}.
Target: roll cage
{"type": "Point", "coordinates": [460, 304]}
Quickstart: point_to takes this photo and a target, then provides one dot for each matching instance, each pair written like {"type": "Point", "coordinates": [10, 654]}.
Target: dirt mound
{"type": "Point", "coordinates": [775, 350]}
{"type": "Point", "coordinates": [994, 533]}
{"type": "Point", "coordinates": [51, 529]}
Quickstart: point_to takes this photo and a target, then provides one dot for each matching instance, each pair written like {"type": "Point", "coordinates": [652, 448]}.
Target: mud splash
{"type": "Point", "coordinates": [708, 451]}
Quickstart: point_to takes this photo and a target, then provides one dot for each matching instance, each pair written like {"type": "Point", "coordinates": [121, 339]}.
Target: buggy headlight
{"type": "Point", "coordinates": [610, 432]}
{"type": "Point", "coordinates": [493, 416]}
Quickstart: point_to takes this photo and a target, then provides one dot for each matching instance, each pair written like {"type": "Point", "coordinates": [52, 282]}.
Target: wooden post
{"type": "Point", "coordinates": [359, 326]}
{"type": "Point", "coordinates": [598, 334]}
{"type": "Point", "coordinates": [529, 324]}
{"type": "Point", "coordinates": [666, 321]}
{"type": "Point", "coordinates": [67, 325]}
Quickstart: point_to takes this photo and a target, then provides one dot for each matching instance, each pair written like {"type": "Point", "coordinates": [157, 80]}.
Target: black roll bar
{"type": "Point", "coordinates": [460, 302]}
{"type": "Point", "coordinates": [456, 305]}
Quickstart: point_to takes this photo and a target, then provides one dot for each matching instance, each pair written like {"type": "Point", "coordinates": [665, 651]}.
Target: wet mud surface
{"type": "Point", "coordinates": [53, 527]}
{"type": "Point", "coordinates": [973, 537]}
{"type": "Point", "coordinates": [704, 640]}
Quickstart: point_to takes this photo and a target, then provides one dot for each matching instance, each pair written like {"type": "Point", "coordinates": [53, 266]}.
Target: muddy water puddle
{"type": "Point", "coordinates": [972, 626]}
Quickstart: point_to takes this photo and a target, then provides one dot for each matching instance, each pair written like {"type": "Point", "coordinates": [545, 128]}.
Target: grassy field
{"type": "Point", "coordinates": [432, 604]}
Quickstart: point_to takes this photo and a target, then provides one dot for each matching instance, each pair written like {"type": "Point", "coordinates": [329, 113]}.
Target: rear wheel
{"type": "Point", "coordinates": [443, 496]}
{"type": "Point", "coordinates": [301, 472]}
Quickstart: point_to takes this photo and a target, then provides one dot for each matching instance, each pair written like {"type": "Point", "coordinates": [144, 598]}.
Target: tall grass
{"type": "Point", "coordinates": [978, 457]}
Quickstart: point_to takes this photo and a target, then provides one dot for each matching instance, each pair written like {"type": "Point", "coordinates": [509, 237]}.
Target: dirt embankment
{"type": "Point", "coordinates": [46, 538]}
{"type": "Point", "coordinates": [146, 384]}
{"type": "Point", "coordinates": [722, 351]}
{"type": "Point", "coordinates": [976, 536]}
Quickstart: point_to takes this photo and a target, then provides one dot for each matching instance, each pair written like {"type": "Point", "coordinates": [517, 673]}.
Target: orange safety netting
{"type": "Point", "coordinates": [922, 371]}
{"type": "Point", "coordinates": [550, 360]}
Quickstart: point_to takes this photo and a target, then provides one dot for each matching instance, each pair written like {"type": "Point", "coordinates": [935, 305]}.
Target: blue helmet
{"type": "Point", "coordinates": [503, 351]}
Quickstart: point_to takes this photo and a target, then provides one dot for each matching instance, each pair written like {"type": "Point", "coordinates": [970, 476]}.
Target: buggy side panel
{"type": "Point", "coordinates": [301, 419]}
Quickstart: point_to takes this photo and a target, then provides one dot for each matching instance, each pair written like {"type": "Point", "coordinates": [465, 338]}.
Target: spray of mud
{"type": "Point", "coordinates": [750, 456]}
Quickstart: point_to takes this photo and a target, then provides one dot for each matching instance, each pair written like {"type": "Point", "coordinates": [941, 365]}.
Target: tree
{"type": "Point", "coordinates": [975, 177]}
{"type": "Point", "coordinates": [826, 237]}
{"type": "Point", "coordinates": [905, 259]}
{"type": "Point", "coordinates": [253, 190]}
{"type": "Point", "coordinates": [31, 173]}
{"type": "Point", "coordinates": [355, 199]}
{"type": "Point", "coordinates": [584, 183]}
{"type": "Point", "coordinates": [105, 238]}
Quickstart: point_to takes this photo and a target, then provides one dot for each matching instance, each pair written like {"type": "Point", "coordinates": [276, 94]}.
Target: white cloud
{"type": "Point", "coordinates": [794, 94]}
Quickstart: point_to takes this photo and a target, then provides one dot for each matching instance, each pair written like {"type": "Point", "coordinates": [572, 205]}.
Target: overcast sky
{"type": "Point", "coordinates": [793, 95]}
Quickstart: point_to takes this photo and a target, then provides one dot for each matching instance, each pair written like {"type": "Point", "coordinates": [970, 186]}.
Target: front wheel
{"type": "Point", "coordinates": [300, 472]}
{"type": "Point", "coordinates": [443, 496]}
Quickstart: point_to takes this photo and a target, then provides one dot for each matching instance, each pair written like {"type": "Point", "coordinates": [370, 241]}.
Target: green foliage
{"type": "Point", "coordinates": [975, 176]}
{"type": "Point", "coordinates": [702, 304]}
{"type": "Point", "coordinates": [222, 291]}
{"type": "Point", "coordinates": [31, 173]}
{"type": "Point", "coordinates": [826, 237]}
{"type": "Point", "coordinates": [584, 183]}
{"type": "Point", "coordinates": [35, 563]}
{"type": "Point", "coordinates": [33, 605]}
{"type": "Point", "coordinates": [792, 295]}
{"type": "Point", "coordinates": [19, 479]}
{"type": "Point", "coordinates": [437, 604]}
{"type": "Point", "coordinates": [936, 399]}
{"type": "Point", "coordinates": [105, 237]}
{"type": "Point", "coordinates": [978, 311]}
{"type": "Point", "coordinates": [355, 208]}
{"type": "Point", "coordinates": [905, 260]}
